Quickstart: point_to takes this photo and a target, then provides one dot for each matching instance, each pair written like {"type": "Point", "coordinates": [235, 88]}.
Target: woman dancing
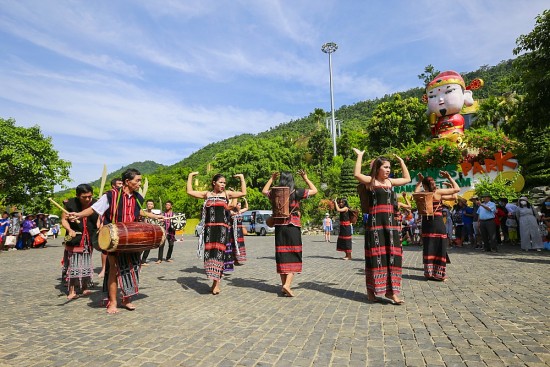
{"type": "Point", "coordinates": [343, 243]}
{"type": "Point", "coordinates": [288, 235]}
{"type": "Point", "coordinates": [213, 239]}
{"type": "Point", "coordinates": [383, 251]}
{"type": "Point", "coordinates": [237, 239]}
{"type": "Point", "coordinates": [434, 233]}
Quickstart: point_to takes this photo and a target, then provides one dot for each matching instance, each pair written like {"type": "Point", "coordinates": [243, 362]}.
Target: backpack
{"type": "Point", "coordinates": [424, 202]}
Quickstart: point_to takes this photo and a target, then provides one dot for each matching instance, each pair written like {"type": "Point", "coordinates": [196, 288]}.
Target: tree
{"type": "Point", "coordinates": [429, 73]}
{"type": "Point", "coordinates": [533, 68]}
{"type": "Point", "coordinates": [29, 166]}
{"type": "Point", "coordinates": [319, 147]}
{"type": "Point", "coordinates": [319, 115]}
{"type": "Point", "coordinates": [396, 123]}
{"type": "Point", "coordinates": [531, 122]}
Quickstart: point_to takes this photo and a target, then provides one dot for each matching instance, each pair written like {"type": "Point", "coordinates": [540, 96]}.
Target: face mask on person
{"type": "Point", "coordinates": [547, 203]}
{"type": "Point", "coordinates": [523, 202]}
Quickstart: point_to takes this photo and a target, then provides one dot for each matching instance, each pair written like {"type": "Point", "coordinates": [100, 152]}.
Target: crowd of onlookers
{"type": "Point", "coordinates": [517, 223]}
{"type": "Point", "coordinates": [20, 232]}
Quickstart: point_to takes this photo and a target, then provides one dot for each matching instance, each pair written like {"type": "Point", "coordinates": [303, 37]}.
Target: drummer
{"type": "Point", "coordinates": [120, 205]}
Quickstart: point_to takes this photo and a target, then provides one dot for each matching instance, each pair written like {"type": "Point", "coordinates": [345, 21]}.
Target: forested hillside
{"type": "Point", "coordinates": [512, 115]}
{"type": "Point", "coordinates": [379, 126]}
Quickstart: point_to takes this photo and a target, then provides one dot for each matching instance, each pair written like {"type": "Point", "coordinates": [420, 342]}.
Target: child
{"type": "Point", "coordinates": [512, 225]}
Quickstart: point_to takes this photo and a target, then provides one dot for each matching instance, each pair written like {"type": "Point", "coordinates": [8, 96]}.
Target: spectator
{"type": "Point", "coordinates": [27, 225]}
{"type": "Point", "coordinates": [41, 239]}
{"type": "Point", "coordinates": [448, 220]}
{"type": "Point", "coordinates": [487, 225]}
{"type": "Point", "coordinates": [4, 225]}
{"type": "Point", "coordinates": [14, 228]}
{"type": "Point", "coordinates": [500, 217]}
{"type": "Point", "coordinates": [458, 214]}
{"type": "Point", "coordinates": [327, 227]}
{"type": "Point", "coordinates": [503, 202]}
{"type": "Point", "coordinates": [545, 216]}
{"type": "Point", "coordinates": [478, 241]}
{"type": "Point", "coordinates": [528, 226]}
{"type": "Point", "coordinates": [467, 223]}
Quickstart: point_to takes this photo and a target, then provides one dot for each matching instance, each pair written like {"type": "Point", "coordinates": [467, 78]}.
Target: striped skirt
{"type": "Point", "coordinates": [434, 240]}
{"type": "Point", "coordinates": [343, 243]}
{"type": "Point", "coordinates": [288, 249]}
{"type": "Point", "coordinates": [383, 261]}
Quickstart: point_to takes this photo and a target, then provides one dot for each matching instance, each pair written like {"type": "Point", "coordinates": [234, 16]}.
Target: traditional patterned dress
{"type": "Point", "coordinates": [214, 238]}
{"type": "Point", "coordinates": [124, 209]}
{"type": "Point", "coordinates": [434, 239]}
{"type": "Point", "coordinates": [288, 236]}
{"type": "Point", "coordinates": [343, 243]}
{"type": "Point", "coordinates": [237, 239]}
{"type": "Point", "coordinates": [383, 251]}
{"type": "Point", "coordinates": [77, 260]}
{"type": "Point", "coordinates": [228, 256]}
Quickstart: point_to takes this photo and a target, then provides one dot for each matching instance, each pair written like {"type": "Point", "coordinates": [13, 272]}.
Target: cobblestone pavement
{"type": "Point", "coordinates": [493, 311]}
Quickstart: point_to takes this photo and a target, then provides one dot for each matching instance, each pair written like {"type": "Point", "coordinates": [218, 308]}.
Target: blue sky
{"type": "Point", "coordinates": [114, 82]}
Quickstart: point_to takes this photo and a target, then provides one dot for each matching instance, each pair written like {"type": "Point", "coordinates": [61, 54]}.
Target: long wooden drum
{"type": "Point", "coordinates": [130, 237]}
{"type": "Point", "coordinates": [280, 196]}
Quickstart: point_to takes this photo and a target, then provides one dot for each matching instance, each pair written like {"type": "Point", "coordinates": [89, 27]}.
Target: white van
{"type": "Point", "coordinates": [258, 224]}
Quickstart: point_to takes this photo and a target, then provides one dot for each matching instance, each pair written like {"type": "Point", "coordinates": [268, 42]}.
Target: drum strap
{"type": "Point", "coordinates": [119, 194]}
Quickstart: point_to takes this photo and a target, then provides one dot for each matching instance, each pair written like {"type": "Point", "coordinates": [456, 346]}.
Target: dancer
{"type": "Point", "coordinates": [77, 259]}
{"type": "Point", "coordinates": [237, 239]}
{"type": "Point", "coordinates": [170, 235]}
{"type": "Point", "coordinates": [213, 239]}
{"type": "Point", "coordinates": [343, 243]}
{"type": "Point", "coordinates": [383, 251]}
{"type": "Point", "coordinates": [120, 205]}
{"type": "Point", "coordinates": [288, 235]}
{"type": "Point", "coordinates": [434, 234]}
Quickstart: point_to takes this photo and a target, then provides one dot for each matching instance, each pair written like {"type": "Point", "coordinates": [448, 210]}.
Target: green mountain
{"type": "Point", "coordinates": [146, 167]}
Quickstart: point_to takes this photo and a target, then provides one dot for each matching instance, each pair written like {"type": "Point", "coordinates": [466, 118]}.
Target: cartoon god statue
{"type": "Point", "coordinates": [446, 94]}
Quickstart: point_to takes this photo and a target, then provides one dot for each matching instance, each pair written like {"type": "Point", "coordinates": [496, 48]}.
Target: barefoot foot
{"type": "Point", "coordinates": [112, 308]}
{"type": "Point", "coordinates": [394, 299]}
{"type": "Point", "coordinates": [287, 292]}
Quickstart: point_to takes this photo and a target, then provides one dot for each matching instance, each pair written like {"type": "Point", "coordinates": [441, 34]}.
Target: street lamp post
{"type": "Point", "coordinates": [329, 48]}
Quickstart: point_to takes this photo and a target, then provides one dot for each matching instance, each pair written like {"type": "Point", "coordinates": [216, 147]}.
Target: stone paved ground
{"type": "Point", "coordinates": [493, 311]}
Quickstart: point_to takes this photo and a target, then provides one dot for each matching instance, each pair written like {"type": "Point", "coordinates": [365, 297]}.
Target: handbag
{"type": "Point", "coordinates": [11, 241]}
{"type": "Point", "coordinates": [34, 231]}
{"type": "Point", "coordinates": [38, 240]}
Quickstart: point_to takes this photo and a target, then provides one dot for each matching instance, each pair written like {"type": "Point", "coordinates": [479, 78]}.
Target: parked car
{"type": "Point", "coordinates": [198, 228]}
{"type": "Point", "coordinates": [258, 223]}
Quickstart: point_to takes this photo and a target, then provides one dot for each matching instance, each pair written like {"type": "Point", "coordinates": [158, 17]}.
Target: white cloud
{"type": "Point", "coordinates": [186, 73]}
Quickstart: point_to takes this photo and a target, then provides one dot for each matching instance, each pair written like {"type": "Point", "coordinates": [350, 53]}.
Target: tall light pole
{"type": "Point", "coordinates": [329, 48]}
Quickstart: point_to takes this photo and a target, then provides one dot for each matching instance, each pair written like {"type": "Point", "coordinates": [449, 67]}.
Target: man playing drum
{"type": "Point", "coordinates": [120, 205]}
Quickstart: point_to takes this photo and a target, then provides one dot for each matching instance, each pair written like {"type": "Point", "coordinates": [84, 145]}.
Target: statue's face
{"type": "Point", "coordinates": [446, 100]}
